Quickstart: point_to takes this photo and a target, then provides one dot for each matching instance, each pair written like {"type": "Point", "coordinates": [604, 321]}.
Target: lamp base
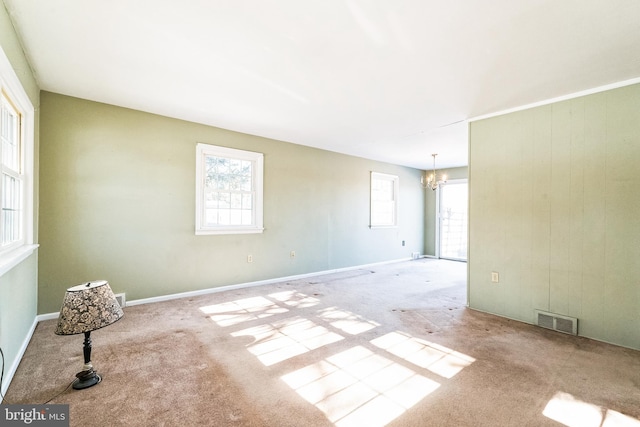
{"type": "Point", "coordinates": [86, 379]}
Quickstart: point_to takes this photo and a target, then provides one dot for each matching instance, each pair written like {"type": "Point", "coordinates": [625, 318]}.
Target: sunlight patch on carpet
{"type": "Point", "coordinates": [295, 299]}
{"type": "Point", "coordinates": [356, 387]}
{"type": "Point", "coordinates": [436, 358]}
{"type": "Point", "coordinates": [278, 341]}
{"type": "Point", "coordinates": [359, 387]}
{"type": "Point", "coordinates": [347, 321]}
{"type": "Point", "coordinates": [242, 310]}
{"type": "Point", "coordinates": [572, 412]}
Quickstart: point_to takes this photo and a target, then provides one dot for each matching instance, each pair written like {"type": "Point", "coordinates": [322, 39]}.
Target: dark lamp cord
{"type": "Point", "coordinates": [1, 377]}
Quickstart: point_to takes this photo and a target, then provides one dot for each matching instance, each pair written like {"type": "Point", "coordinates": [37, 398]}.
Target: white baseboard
{"type": "Point", "coordinates": [254, 284]}
{"type": "Point", "coordinates": [14, 364]}
{"type": "Point", "coordinates": [50, 316]}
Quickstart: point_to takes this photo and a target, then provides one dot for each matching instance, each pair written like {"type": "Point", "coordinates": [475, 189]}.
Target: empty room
{"type": "Point", "coordinates": [337, 213]}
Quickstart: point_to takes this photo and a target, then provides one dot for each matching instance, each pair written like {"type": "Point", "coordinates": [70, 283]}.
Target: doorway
{"type": "Point", "coordinates": [453, 219]}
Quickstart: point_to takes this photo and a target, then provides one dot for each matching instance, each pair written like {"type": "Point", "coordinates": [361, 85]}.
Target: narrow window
{"type": "Point", "coordinates": [12, 177]}
{"type": "Point", "coordinates": [384, 200]}
{"type": "Point", "coordinates": [17, 212]}
{"type": "Point", "coordinates": [228, 190]}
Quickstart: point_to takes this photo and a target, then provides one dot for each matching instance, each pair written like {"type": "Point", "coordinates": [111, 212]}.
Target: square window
{"type": "Point", "coordinates": [230, 181]}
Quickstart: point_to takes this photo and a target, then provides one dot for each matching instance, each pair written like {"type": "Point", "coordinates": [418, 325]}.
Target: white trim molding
{"type": "Point", "coordinates": [558, 99]}
{"type": "Point", "coordinates": [11, 86]}
{"type": "Point", "coordinates": [8, 376]}
{"type": "Point", "coordinates": [10, 259]}
{"type": "Point", "coordinates": [253, 193]}
{"type": "Point", "coordinates": [189, 294]}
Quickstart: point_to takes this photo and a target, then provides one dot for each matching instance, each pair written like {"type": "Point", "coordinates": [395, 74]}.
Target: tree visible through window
{"type": "Point", "coordinates": [229, 193]}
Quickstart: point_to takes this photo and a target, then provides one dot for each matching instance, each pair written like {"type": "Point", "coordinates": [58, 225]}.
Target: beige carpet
{"type": "Point", "coordinates": [393, 346]}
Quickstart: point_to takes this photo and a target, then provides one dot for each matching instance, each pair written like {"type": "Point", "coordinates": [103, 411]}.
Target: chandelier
{"type": "Point", "coordinates": [432, 181]}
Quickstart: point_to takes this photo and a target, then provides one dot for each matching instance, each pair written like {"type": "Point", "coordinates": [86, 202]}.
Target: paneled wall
{"type": "Point", "coordinates": [555, 210]}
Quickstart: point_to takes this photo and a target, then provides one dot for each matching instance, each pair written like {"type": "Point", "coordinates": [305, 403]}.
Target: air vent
{"type": "Point", "coordinates": [121, 299]}
{"type": "Point", "coordinates": [557, 322]}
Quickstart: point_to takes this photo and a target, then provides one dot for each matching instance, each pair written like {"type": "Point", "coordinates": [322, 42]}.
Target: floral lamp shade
{"type": "Point", "coordinates": [87, 307]}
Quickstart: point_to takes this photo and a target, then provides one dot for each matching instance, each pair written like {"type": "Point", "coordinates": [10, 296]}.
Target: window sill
{"type": "Point", "coordinates": [229, 231]}
{"type": "Point", "coordinates": [14, 257]}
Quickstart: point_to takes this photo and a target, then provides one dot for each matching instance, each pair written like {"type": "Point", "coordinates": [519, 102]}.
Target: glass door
{"type": "Point", "coordinates": [452, 215]}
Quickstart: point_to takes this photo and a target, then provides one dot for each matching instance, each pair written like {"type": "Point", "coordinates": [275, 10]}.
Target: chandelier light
{"type": "Point", "coordinates": [432, 180]}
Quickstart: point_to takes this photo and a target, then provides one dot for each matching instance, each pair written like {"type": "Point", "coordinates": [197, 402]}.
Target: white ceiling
{"type": "Point", "coordinates": [381, 79]}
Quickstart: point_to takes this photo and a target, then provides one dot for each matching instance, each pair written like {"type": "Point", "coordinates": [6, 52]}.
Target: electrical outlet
{"type": "Point", "coordinates": [495, 277]}
{"type": "Point", "coordinates": [249, 258]}
{"type": "Point", "coordinates": [292, 254]}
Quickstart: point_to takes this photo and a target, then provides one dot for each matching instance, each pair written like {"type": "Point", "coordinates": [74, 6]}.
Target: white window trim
{"type": "Point", "coordinates": [396, 189]}
{"type": "Point", "coordinates": [203, 150]}
{"type": "Point", "coordinates": [10, 84]}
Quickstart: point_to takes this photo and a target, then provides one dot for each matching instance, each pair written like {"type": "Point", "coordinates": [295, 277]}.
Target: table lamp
{"type": "Point", "coordinates": [87, 307]}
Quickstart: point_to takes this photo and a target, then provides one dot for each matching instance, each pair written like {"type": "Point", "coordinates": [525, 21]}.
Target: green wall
{"type": "Point", "coordinates": [555, 209]}
{"type": "Point", "coordinates": [18, 287]}
{"type": "Point", "coordinates": [118, 202]}
{"type": "Point", "coordinates": [431, 218]}
{"type": "Point", "coordinates": [18, 303]}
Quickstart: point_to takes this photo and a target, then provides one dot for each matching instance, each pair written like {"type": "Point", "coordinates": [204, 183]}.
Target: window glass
{"type": "Point", "coordinates": [229, 193]}
{"type": "Point", "coordinates": [384, 200]}
{"type": "Point", "coordinates": [12, 179]}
